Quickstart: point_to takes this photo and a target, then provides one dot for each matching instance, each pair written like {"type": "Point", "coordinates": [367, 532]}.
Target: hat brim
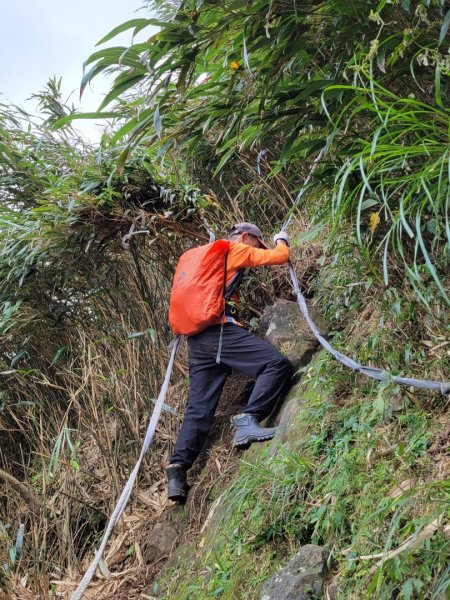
{"type": "Point", "coordinates": [262, 243]}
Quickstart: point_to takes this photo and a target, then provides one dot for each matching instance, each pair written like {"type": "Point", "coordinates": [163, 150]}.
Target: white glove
{"type": "Point", "coordinates": [281, 236]}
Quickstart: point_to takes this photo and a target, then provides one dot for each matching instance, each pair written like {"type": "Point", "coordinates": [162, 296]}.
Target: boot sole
{"type": "Point", "coordinates": [177, 494]}
{"type": "Point", "coordinates": [178, 498]}
{"type": "Point", "coordinates": [244, 443]}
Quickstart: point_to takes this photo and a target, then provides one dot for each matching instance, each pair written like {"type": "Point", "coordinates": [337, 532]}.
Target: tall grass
{"type": "Point", "coordinates": [83, 339]}
{"type": "Point", "coordinates": [86, 266]}
{"type": "Point", "coordinates": [396, 185]}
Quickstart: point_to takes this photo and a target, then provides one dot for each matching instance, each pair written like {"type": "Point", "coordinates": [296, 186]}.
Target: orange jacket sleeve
{"type": "Point", "coordinates": [241, 255]}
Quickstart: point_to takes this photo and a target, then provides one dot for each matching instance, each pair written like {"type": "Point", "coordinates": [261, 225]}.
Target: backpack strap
{"type": "Point", "coordinates": [234, 284]}
{"type": "Point", "coordinates": [228, 291]}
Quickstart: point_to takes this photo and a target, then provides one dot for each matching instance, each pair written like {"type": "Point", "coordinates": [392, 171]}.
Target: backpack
{"type": "Point", "coordinates": [199, 284]}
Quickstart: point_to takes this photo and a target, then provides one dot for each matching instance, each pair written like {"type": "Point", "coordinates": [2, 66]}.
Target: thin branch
{"type": "Point", "coordinates": [24, 491]}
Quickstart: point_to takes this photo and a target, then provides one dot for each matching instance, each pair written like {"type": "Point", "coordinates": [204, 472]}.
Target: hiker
{"type": "Point", "coordinates": [225, 345]}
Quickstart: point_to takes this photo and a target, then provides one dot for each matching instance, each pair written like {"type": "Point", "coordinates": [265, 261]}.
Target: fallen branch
{"type": "Point", "coordinates": [411, 543]}
{"type": "Point", "coordinates": [24, 491]}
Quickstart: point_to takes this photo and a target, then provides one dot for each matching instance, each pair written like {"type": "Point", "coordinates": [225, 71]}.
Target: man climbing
{"type": "Point", "coordinates": [225, 345]}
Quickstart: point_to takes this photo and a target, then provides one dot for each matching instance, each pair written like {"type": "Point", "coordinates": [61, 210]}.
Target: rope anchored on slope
{"type": "Point", "coordinates": [373, 372]}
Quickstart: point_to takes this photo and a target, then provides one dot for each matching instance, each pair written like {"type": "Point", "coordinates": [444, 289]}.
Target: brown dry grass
{"type": "Point", "coordinates": [72, 430]}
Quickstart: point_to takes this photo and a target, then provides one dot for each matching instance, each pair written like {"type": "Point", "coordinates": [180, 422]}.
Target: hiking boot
{"type": "Point", "coordinates": [248, 430]}
{"type": "Point", "coordinates": [178, 487]}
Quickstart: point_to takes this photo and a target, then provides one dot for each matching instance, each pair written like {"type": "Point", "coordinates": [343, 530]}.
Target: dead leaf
{"type": "Point", "coordinates": [374, 221]}
{"type": "Point", "coordinates": [210, 515]}
{"type": "Point", "coordinates": [402, 487]}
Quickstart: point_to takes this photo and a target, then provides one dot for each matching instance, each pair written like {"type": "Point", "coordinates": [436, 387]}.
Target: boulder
{"type": "Point", "coordinates": [333, 591]}
{"type": "Point", "coordinates": [284, 326]}
{"type": "Point", "coordinates": [286, 419]}
{"type": "Point", "coordinates": [301, 579]}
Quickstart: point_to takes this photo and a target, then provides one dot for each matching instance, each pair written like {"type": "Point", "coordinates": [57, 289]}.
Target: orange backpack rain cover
{"type": "Point", "coordinates": [197, 296]}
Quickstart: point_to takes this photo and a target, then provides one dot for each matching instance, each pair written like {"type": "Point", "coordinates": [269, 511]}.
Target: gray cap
{"type": "Point", "coordinates": [251, 229]}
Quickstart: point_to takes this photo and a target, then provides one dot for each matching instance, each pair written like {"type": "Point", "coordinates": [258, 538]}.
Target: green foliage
{"type": "Point", "coordinates": [234, 97]}
{"type": "Point", "coordinates": [46, 210]}
{"type": "Point", "coordinates": [330, 488]}
{"type": "Point", "coordinates": [402, 177]}
{"type": "Point", "coordinates": [86, 261]}
{"type": "Point", "coordinates": [357, 472]}
{"type": "Point", "coordinates": [370, 78]}
{"type": "Point", "coordinates": [242, 73]}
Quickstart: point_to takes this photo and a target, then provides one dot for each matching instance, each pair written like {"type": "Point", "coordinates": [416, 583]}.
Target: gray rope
{"type": "Point", "coordinates": [373, 372]}
{"type": "Point", "coordinates": [126, 492]}
{"type": "Point", "coordinates": [212, 235]}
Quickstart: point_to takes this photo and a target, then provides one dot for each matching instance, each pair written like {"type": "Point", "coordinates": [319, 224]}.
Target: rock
{"type": "Point", "coordinates": [286, 418]}
{"type": "Point", "coordinates": [283, 325]}
{"type": "Point", "coordinates": [163, 536]}
{"type": "Point", "coordinates": [286, 421]}
{"type": "Point", "coordinates": [333, 590]}
{"type": "Point", "coordinates": [395, 404]}
{"type": "Point", "coordinates": [301, 579]}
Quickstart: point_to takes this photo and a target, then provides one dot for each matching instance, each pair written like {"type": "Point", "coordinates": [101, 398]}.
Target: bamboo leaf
{"type": "Point", "coordinates": [444, 27]}
{"type": "Point", "coordinates": [77, 116]}
{"type": "Point", "coordinates": [165, 407]}
{"type": "Point", "coordinates": [404, 222]}
{"type": "Point", "coordinates": [133, 125]}
{"type": "Point", "coordinates": [245, 54]}
{"type": "Point", "coordinates": [58, 355]}
{"type": "Point", "coordinates": [157, 122]}
{"type": "Point", "coordinates": [308, 236]}
{"type": "Point", "coordinates": [368, 203]}
{"type": "Point", "coordinates": [133, 23]}
{"type": "Point", "coordinates": [437, 84]}
{"type": "Point", "coordinates": [17, 357]}
{"type": "Point", "coordinates": [386, 257]}
{"type": "Point", "coordinates": [430, 266]}
{"type": "Point", "coordinates": [107, 56]}
{"type": "Point", "coordinates": [20, 539]}
{"type": "Point", "coordinates": [118, 90]}
{"type": "Point", "coordinates": [87, 77]}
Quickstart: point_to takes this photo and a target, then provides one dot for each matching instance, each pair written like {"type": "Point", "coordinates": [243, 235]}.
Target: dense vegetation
{"type": "Point", "coordinates": [79, 314]}
{"type": "Point", "coordinates": [353, 475]}
{"type": "Point", "coordinates": [368, 80]}
{"type": "Point", "coordinates": [217, 118]}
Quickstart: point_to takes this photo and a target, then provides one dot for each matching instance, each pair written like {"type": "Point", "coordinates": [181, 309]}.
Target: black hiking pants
{"type": "Point", "coordinates": [243, 351]}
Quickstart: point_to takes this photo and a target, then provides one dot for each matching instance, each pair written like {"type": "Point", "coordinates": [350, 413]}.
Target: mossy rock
{"type": "Point", "coordinates": [284, 326]}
